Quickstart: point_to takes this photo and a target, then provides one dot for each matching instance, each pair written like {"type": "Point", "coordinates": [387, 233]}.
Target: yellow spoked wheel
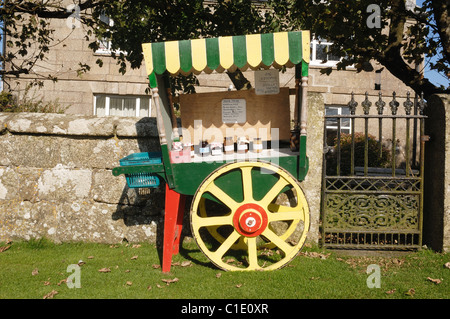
{"type": "Point", "coordinates": [239, 222]}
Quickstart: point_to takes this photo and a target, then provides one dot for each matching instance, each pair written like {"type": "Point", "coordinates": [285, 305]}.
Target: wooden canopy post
{"type": "Point", "coordinates": [304, 109]}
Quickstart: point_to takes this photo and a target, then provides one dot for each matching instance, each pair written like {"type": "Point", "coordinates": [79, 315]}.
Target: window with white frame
{"type": "Point", "coordinates": [120, 105]}
{"type": "Point", "coordinates": [104, 44]}
{"type": "Point", "coordinates": [320, 52]}
{"type": "Point", "coordinates": [332, 123]}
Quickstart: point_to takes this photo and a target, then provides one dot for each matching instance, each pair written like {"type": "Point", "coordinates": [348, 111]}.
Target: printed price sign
{"type": "Point", "coordinates": [267, 82]}
{"type": "Point", "coordinates": [234, 111]}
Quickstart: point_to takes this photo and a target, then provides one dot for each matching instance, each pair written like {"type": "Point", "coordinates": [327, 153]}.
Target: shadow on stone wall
{"type": "Point", "coordinates": [144, 207]}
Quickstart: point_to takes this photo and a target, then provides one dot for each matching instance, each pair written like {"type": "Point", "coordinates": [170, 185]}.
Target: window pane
{"type": "Point", "coordinates": [144, 107]}
{"type": "Point", "coordinates": [100, 105]}
{"type": "Point", "coordinates": [331, 111]}
{"type": "Point", "coordinates": [345, 122]}
{"type": "Point", "coordinates": [115, 106]}
{"type": "Point", "coordinates": [320, 54]}
{"type": "Point", "coordinates": [332, 123]}
{"type": "Point", "coordinates": [105, 19]}
{"type": "Point", "coordinates": [345, 111]}
{"type": "Point", "coordinates": [129, 107]}
{"type": "Point", "coordinates": [332, 57]}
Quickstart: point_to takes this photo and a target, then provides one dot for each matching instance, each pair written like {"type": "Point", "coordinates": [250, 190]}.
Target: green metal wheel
{"type": "Point", "coordinates": [238, 221]}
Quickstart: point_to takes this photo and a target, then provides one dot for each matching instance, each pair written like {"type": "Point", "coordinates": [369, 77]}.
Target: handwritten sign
{"type": "Point", "coordinates": [234, 111]}
{"type": "Point", "coordinates": [267, 82]}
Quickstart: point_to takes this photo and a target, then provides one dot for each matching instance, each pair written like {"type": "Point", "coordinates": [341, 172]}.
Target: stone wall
{"type": "Point", "coordinates": [56, 180]}
{"type": "Point", "coordinates": [436, 220]}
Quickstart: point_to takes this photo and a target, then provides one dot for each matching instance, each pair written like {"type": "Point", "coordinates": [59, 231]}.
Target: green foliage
{"type": "Point", "coordinates": [396, 44]}
{"type": "Point", "coordinates": [25, 103]}
{"type": "Point", "coordinates": [401, 38]}
{"type": "Point", "coordinates": [375, 158]}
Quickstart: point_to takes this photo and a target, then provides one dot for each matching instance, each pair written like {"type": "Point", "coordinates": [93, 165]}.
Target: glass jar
{"type": "Point", "coordinates": [188, 148]}
{"type": "Point", "coordinates": [242, 145]}
{"type": "Point", "coordinates": [216, 149]}
{"type": "Point", "coordinates": [257, 145]}
{"type": "Point", "coordinates": [204, 148]}
{"type": "Point", "coordinates": [228, 145]}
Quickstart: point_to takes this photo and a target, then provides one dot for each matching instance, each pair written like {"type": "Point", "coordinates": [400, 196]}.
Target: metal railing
{"type": "Point", "coordinates": [372, 198]}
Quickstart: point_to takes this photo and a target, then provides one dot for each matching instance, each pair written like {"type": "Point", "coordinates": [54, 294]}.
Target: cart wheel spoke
{"type": "Point", "coordinates": [284, 213]}
{"type": "Point", "coordinates": [226, 245]}
{"type": "Point", "coordinates": [274, 191]}
{"type": "Point", "coordinates": [247, 182]}
{"type": "Point", "coordinates": [252, 253]}
{"type": "Point", "coordinates": [278, 241]}
{"type": "Point", "coordinates": [213, 221]}
{"type": "Point", "coordinates": [222, 196]}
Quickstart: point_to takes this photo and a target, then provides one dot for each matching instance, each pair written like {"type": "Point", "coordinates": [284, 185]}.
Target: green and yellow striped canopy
{"type": "Point", "coordinates": [253, 51]}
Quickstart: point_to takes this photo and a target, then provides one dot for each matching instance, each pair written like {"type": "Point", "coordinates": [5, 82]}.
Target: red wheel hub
{"type": "Point", "coordinates": [250, 220]}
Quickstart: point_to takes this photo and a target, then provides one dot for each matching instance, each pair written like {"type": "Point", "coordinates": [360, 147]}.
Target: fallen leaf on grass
{"type": "Point", "coordinates": [155, 266]}
{"type": "Point", "coordinates": [62, 281]}
{"type": "Point", "coordinates": [134, 257]}
{"type": "Point", "coordinates": [390, 292]}
{"type": "Point", "coordinates": [186, 263]}
{"type": "Point", "coordinates": [104, 270]}
{"type": "Point", "coordinates": [4, 248]}
{"type": "Point", "coordinates": [314, 254]}
{"type": "Point", "coordinates": [410, 292]}
{"type": "Point", "coordinates": [136, 246]}
{"type": "Point", "coordinates": [238, 285]}
{"type": "Point", "coordinates": [149, 288]}
{"type": "Point", "coordinates": [218, 275]}
{"type": "Point", "coordinates": [46, 283]}
{"type": "Point", "coordinates": [267, 252]}
{"type": "Point", "coordinates": [90, 257]}
{"type": "Point", "coordinates": [447, 265]}
{"type": "Point", "coordinates": [50, 295]}
{"type": "Point", "coordinates": [35, 272]}
{"type": "Point", "coordinates": [129, 283]}
{"type": "Point", "coordinates": [436, 281]}
{"type": "Point", "coordinates": [169, 281]}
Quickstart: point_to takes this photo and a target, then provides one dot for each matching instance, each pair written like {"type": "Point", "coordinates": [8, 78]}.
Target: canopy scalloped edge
{"type": "Point", "coordinates": [254, 51]}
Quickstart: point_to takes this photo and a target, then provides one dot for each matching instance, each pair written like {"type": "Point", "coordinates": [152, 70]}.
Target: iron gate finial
{"type": "Point", "coordinates": [380, 104]}
{"type": "Point", "coordinates": [366, 104]}
{"type": "Point", "coordinates": [394, 104]}
{"type": "Point", "coordinates": [408, 104]}
{"type": "Point", "coordinates": [352, 104]}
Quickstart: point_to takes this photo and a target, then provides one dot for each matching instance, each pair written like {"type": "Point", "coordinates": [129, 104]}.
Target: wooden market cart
{"type": "Point", "coordinates": [248, 211]}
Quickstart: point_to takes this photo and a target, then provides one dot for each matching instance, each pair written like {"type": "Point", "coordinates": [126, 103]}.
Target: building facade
{"type": "Point", "coordinates": [104, 91]}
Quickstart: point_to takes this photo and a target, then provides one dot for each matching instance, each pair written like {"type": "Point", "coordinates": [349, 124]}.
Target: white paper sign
{"type": "Point", "coordinates": [234, 111]}
{"type": "Point", "coordinates": [267, 82]}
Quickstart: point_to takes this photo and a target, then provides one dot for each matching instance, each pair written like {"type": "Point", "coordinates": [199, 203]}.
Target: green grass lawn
{"type": "Point", "coordinates": [38, 269]}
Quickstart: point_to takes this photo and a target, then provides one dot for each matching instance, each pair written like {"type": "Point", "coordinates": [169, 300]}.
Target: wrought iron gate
{"type": "Point", "coordinates": [372, 190]}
